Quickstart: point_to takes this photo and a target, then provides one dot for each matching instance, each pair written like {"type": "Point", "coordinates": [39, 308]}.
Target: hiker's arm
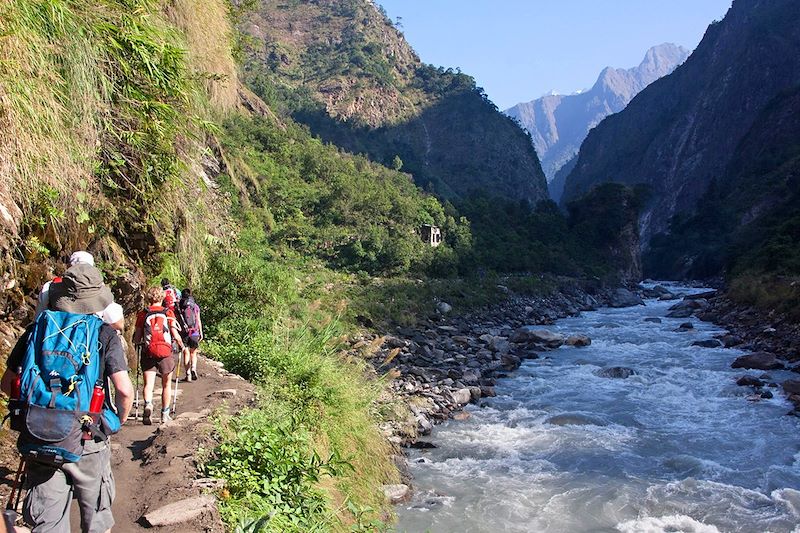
{"type": "Point", "coordinates": [14, 361]}
{"type": "Point", "coordinates": [200, 326]}
{"type": "Point", "coordinates": [124, 394]}
{"type": "Point", "coordinates": [176, 334]}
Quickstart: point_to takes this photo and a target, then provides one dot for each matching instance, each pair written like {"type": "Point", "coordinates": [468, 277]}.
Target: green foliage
{"type": "Point", "coordinates": [343, 209]}
{"type": "Point", "coordinates": [272, 470]}
{"type": "Point", "coordinates": [259, 324]}
{"type": "Point", "coordinates": [515, 237]}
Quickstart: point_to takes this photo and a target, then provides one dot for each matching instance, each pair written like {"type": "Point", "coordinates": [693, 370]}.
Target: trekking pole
{"type": "Point", "coordinates": [10, 514]}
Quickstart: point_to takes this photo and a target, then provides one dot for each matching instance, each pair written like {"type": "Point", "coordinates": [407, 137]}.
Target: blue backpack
{"type": "Point", "coordinates": [59, 371]}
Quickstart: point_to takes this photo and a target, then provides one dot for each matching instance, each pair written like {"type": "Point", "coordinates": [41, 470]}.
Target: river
{"type": "Point", "coordinates": [676, 447]}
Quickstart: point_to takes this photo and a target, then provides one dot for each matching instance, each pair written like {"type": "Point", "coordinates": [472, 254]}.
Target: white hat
{"type": "Point", "coordinates": [81, 257]}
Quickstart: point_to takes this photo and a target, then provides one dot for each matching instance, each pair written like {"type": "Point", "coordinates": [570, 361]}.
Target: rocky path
{"type": "Point", "coordinates": [154, 467]}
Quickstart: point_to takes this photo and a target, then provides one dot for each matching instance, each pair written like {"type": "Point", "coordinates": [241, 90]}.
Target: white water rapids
{"type": "Point", "coordinates": [676, 447]}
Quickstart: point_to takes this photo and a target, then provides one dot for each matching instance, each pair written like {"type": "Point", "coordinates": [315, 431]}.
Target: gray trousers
{"type": "Point", "coordinates": [50, 492]}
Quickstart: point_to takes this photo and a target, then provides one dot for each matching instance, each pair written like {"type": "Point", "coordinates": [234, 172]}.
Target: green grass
{"type": "Point", "coordinates": [263, 326]}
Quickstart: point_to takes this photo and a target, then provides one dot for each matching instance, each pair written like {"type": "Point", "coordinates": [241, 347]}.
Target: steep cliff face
{"type": "Point", "coordinates": [340, 67]}
{"type": "Point", "coordinates": [684, 131]}
{"type": "Point", "coordinates": [558, 124]}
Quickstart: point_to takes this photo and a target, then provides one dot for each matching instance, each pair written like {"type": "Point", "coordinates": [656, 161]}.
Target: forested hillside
{"type": "Point", "coordinates": [343, 69]}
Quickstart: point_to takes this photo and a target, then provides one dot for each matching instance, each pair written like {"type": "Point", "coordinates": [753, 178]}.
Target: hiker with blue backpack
{"type": "Point", "coordinates": [192, 331]}
{"type": "Point", "coordinates": [156, 331]}
{"type": "Point", "coordinates": [57, 377]}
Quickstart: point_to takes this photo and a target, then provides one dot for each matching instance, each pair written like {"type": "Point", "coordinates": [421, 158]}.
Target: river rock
{"type": "Point", "coordinates": [462, 396]}
{"type": "Point", "coordinates": [179, 512]}
{"type": "Point", "coordinates": [653, 319]}
{"type": "Point", "coordinates": [574, 419]}
{"type": "Point", "coordinates": [730, 340]}
{"type": "Point", "coordinates": [615, 372]}
{"type": "Point", "coordinates": [461, 416]}
{"type": "Point", "coordinates": [758, 361]}
{"type": "Point", "coordinates": [749, 381]}
{"type": "Point", "coordinates": [791, 386]}
{"type": "Point", "coordinates": [624, 298]}
{"type": "Point", "coordinates": [767, 395]}
{"type": "Point", "coordinates": [475, 393]}
{"type": "Point", "coordinates": [397, 493]}
{"type": "Point", "coordinates": [708, 343]}
{"type": "Point", "coordinates": [578, 341]}
{"type": "Point", "coordinates": [487, 391]}
{"type": "Point", "coordinates": [540, 336]}
{"type": "Point", "coordinates": [684, 312]}
{"type": "Point", "coordinates": [471, 376]}
{"type": "Point", "coordinates": [686, 326]}
{"type": "Point", "coordinates": [510, 361]}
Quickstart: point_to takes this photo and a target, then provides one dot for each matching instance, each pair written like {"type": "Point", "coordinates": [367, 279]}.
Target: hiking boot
{"type": "Point", "coordinates": [194, 375]}
{"type": "Point", "coordinates": [188, 378]}
{"type": "Point", "coordinates": [147, 417]}
{"type": "Point", "coordinates": [165, 417]}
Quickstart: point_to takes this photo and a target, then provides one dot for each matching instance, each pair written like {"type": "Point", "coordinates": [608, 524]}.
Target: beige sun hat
{"type": "Point", "coordinates": [81, 290]}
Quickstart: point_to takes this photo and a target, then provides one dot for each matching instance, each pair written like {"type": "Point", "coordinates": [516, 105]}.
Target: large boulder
{"type": "Point", "coordinates": [708, 343]}
{"type": "Point", "coordinates": [578, 341]}
{"type": "Point", "coordinates": [615, 372]}
{"type": "Point", "coordinates": [624, 298]}
{"type": "Point", "coordinates": [539, 336]}
{"type": "Point", "coordinates": [683, 312]}
{"type": "Point", "coordinates": [758, 361]}
{"type": "Point", "coordinates": [791, 386]}
{"type": "Point", "coordinates": [510, 361]}
{"type": "Point", "coordinates": [462, 396]}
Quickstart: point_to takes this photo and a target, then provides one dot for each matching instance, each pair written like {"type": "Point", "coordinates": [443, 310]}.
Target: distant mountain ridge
{"type": "Point", "coordinates": [344, 70]}
{"type": "Point", "coordinates": [558, 124]}
{"type": "Point", "coordinates": [716, 144]}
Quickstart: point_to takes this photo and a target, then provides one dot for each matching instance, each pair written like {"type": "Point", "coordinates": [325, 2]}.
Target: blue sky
{"type": "Point", "coordinates": [518, 50]}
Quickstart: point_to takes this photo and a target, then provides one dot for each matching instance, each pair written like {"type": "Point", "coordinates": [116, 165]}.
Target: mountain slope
{"type": "Point", "coordinates": [341, 68]}
{"type": "Point", "coordinates": [685, 130]}
{"type": "Point", "coordinates": [559, 123]}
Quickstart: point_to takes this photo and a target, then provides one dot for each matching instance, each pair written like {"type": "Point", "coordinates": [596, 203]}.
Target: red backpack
{"type": "Point", "coordinates": [170, 297]}
{"type": "Point", "coordinates": [157, 337]}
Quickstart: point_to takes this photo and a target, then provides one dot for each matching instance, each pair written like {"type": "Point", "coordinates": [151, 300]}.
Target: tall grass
{"type": "Point", "coordinates": [104, 108]}
{"type": "Point", "coordinates": [261, 329]}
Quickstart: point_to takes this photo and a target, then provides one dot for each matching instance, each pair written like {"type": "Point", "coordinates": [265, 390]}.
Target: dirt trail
{"type": "Point", "coordinates": [155, 465]}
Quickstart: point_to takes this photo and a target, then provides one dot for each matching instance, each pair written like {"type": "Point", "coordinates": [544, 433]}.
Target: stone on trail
{"type": "Point", "coordinates": [758, 361]}
{"type": "Point", "coordinates": [224, 393]}
{"type": "Point", "coordinates": [444, 307]}
{"type": "Point", "coordinates": [180, 512]}
{"type": "Point", "coordinates": [578, 341]}
{"type": "Point", "coordinates": [397, 493]}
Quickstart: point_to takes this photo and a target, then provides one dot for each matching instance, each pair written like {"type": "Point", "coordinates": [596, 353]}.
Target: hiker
{"type": "Point", "coordinates": [83, 467]}
{"type": "Point", "coordinates": [192, 330]}
{"type": "Point", "coordinates": [156, 330]}
{"type": "Point", "coordinates": [112, 315]}
{"type": "Point", "coordinates": [171, 295]}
